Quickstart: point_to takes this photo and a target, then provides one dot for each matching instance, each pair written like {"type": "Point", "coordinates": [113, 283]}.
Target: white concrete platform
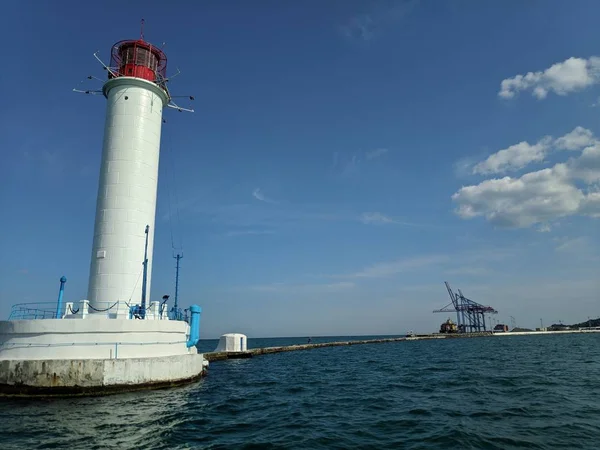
{"type": "Point", "coordinates": [92, 338]}
{"type": "Point", "coordinates": [97, 353]}
{"type": "Point", "coordinates": [96, 376]}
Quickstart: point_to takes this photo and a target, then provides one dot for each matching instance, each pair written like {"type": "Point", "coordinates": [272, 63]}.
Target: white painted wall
{"type": "Point", "coordinates": [95, 337]}
{"type": "Point", "coordinates": [232, 342]}
{"type": "Point", "coordinates": [127, 190]}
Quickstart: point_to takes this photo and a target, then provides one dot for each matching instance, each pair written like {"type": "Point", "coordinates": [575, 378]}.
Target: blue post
{"type": "Point", "coordinates": [61, 291]}
{"type": "Point", "coordinates": [145, 278]}
{"type": "Point", "coordinates": [195, 311]}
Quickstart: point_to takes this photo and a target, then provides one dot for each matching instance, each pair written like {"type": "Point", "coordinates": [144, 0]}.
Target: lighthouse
{"type": "Point", "coordinates": [136, 94]}
{"type": "Point", "coordinates": [116, 339]}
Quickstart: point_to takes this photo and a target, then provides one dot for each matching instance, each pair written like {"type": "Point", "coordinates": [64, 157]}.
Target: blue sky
{"type": "Point", "coordinates": [344, 160]}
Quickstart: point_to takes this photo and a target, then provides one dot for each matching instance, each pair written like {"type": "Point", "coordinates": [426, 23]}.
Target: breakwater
{"type": "Point", "coordinates": [220, 356]}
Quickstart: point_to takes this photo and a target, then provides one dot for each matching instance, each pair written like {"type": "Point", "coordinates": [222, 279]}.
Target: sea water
{"type": "Point", "coordinates": [538, 392]}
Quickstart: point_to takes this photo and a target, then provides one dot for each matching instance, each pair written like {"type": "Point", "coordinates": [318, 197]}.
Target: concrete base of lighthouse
{"type": "Point", "coordinates": [72, 377]}
{"type": "Point", "coordinates": [96, 354]}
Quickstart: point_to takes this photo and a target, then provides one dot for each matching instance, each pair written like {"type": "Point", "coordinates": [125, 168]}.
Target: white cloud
{"type": "Point", "coordinates": [372, 154]}
{"type": "Point", "coordinates": [519, 155]}
{"type": "Point", "coordinates": [538, 197]}
{"type": "Point", "coordinates": [535, 197]}
{"type": "Point", "coordinates": [360, 27]}
{"type": "Point", "coordinates": [377, 218]}
{"type": "Point", "coordinates": [464, 166]}
{"type": "Point", "coordinates": [591, 205]}
{"type": "Point", "coordinates": [577, 244]}
{"type": "Point", "coordinates": [514, 157]}
{"type": "Point", "coordinates": [284, 217]}
{"type": "Point", "coordinates": [571, 75]}
{"type": "Point", "coordinates": [344, 166]}
{"type": "Point", "coordinates": [474, 262]}
{"type": "Point", "coordinates": [350, 165]}
{"type": "Point", "coordinates": [544, 228]}
{"type": "Point", "coordinates": [575, 140]}
{"type": "Point", "coordinates": [587, 166]}
{"type": "Point", "coordinates": [286, 288]}
{"type": "Point", "coordinates": [234, 233]}
{"type": "Point", "coordinates": [258, 194]}
{"type": "Point", "coordinates": [387, 269]}
{"type": "Point", "coordinates": [468, 271]}
{"type": "Point", "coordinates": [365, 27]}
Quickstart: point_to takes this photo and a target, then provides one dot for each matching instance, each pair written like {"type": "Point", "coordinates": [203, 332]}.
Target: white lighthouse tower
{"type": "Point", "coordinates": [136, 94]}
{"type": "Point", "coordinates": [116, 338]}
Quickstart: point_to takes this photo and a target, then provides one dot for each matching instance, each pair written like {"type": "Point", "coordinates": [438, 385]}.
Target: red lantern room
{"type": "Point", "coordinates": [140, 59]}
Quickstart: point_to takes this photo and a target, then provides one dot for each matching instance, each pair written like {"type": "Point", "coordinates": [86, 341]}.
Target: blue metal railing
{"type": "Point", "coordinates": [178, 314]}
{"type": "Point", "coordinates": [28, 311]}
{"type": "Point", "coordinates": [48, 310]}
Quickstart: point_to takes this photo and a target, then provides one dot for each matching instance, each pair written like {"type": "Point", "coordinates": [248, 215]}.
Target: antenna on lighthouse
{"type": "Point", "coordinates": [142, 30]}
{"type": "Point", "coordinates": [178, 258]}
{"type": "Point", "coordinates": [137, 59]}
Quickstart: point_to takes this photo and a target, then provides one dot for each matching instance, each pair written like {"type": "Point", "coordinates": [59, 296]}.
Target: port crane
{"type": "Point", "coordinates": [470, 315]}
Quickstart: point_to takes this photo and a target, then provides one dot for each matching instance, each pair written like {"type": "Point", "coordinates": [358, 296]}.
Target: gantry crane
{"type": "Point", "coordinates": [470, 315]}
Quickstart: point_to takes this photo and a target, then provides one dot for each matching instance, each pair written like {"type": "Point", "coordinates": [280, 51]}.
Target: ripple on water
{"type": "Point", "coordinates": [537, 392]}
